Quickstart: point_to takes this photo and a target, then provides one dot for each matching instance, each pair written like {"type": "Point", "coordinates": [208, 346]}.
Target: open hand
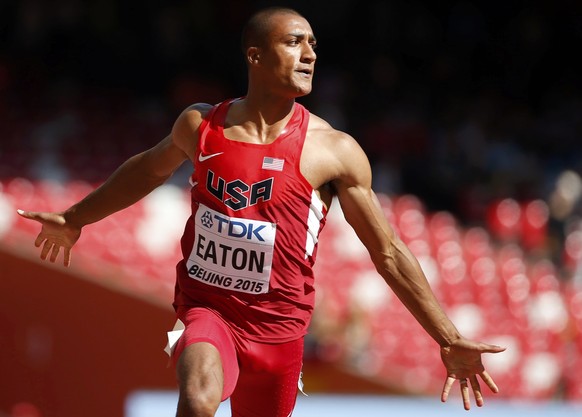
{"type": "Point", "coordinates": [55, 235]}
{"type": "Point", "coordinates": [462, 360]}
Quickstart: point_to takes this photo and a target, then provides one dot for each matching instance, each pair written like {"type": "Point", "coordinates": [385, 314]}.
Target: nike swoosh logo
{"type": "Point", "coordinates": [202, 158]}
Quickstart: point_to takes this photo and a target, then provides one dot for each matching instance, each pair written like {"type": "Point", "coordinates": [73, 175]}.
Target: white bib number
{"type": "Point", "coordinates": [232, 253]}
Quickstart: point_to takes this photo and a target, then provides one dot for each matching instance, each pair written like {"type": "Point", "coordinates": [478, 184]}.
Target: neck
{"type": "Point", "coordinates": [262, 117]}
{"type": "Point", "coordinates": [266, 109]}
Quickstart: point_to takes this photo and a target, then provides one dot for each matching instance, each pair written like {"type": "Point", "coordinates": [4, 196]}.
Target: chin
{"type": "Point", "coordinates": [296, 90]}
{"type": "Point", "coordinates": [303, 91]}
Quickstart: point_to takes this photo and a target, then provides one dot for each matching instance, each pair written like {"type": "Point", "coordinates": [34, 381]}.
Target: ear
{"type": "Point", "coordinates": [253, 55]}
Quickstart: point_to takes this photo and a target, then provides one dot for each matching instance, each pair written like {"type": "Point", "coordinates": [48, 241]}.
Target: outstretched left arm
{"type": "Point", "coordinates": [401, 271]}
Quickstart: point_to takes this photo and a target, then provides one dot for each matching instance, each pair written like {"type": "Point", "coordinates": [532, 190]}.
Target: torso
{"type": "Point", "coordinates": [223, 196]}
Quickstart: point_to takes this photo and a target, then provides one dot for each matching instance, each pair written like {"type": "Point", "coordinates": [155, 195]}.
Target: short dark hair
{"type": "Point", "coordinates": [257, 27]}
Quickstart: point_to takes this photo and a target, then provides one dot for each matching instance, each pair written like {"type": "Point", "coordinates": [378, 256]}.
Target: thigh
{"type": "Point", "coordinates": [200, 379]}
{"type": "Point", "coordinates": [205, 355]}
{"type": "Point", "coordinates": [267, 384]}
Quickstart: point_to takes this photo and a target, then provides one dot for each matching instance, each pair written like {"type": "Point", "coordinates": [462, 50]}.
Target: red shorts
{"type": "Point", "coordinates": [260, 378]}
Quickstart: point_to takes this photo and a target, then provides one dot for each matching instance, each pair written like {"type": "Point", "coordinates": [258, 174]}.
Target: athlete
{"type": "Point", "coordinates": [265, 173]}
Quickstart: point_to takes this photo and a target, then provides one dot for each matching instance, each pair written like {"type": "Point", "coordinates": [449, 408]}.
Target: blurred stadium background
{"type": "Point", "coordinates": [470, 114]}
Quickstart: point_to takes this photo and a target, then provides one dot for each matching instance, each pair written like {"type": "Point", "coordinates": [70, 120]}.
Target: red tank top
{"type": "Point", "coordinates": [251, 241]}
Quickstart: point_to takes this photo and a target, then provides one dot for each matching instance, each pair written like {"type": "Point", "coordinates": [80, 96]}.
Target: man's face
{"type": "Point", "coordinates": [287, 57]}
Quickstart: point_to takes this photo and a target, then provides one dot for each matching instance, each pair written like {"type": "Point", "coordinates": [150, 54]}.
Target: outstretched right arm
{"type": "Point", "coordinates": [133, 180]}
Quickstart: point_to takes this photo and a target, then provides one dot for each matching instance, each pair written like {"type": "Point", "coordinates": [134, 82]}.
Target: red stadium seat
{"type": "Point", "coordinates": [504, 219]}
{"type": "Point", "coordinates": [534, 226]}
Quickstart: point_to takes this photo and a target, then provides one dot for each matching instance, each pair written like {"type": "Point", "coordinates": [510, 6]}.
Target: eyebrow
{"type": "Point", "coordinates": [301, 35]}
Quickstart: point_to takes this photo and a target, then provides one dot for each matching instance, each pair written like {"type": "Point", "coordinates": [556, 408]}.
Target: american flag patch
{"type": "Point", "coordinates": [274, 164]}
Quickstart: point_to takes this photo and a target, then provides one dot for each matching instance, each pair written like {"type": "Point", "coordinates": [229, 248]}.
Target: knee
{"type": "Point", "coordinates": [200, 378]}
{"type": "Point", "coordinates": [194, 403]}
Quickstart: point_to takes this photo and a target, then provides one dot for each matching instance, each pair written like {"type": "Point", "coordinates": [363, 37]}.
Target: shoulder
{"type": "Point", "coordinates": [185, 129]}
{"type": "Point", "coordinates": [338, 154]}
{"type": "Point", "coordinates": [194, 114]}
{"type": "Point", "coordinates": [325, 135]}
{"type": "Point", "coordinates": [341, 145]}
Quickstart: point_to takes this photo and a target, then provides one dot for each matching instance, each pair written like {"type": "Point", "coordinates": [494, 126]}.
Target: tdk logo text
{"type": "Point", "coordinates": [233, 228]}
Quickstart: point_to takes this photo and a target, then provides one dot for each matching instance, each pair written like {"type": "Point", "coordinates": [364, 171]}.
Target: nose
{"type": "Point", "coordinates": [308, 54]}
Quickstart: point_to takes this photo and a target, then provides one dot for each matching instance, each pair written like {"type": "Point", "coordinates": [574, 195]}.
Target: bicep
{"type": "Point", "coordinates": [164, 158]}
{"type": "Point", "coordinates": [363, 212]}
{"type": "Point", "coordinates": [360, 205]}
